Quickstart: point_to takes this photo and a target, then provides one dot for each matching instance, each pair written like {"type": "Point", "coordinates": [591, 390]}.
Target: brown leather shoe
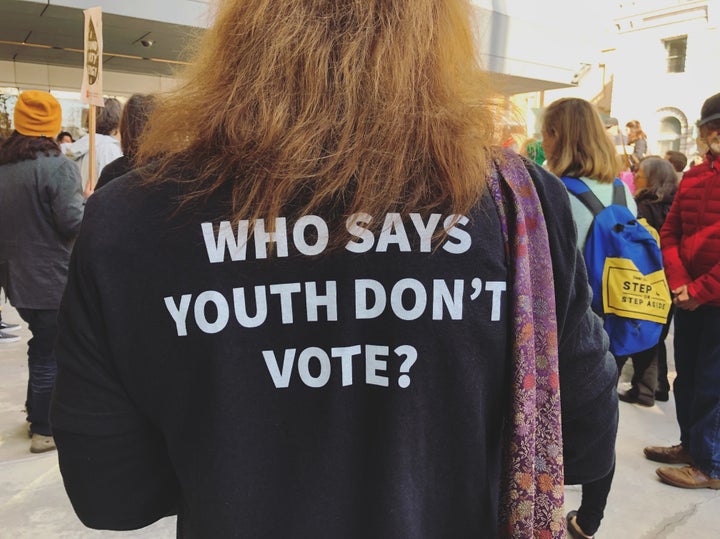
{"type": "Point", "coordinates": [687, 477]}
{"type": "Point", "coordinates": [633, 396]}
{"type": "Point", "coordinates": [676, 454]}
{"type": "Point", "coordinates": [574, 529]}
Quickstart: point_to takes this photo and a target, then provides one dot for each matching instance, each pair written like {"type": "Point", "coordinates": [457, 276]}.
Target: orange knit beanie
{"type": "Point", "coordinates": [37, 114]}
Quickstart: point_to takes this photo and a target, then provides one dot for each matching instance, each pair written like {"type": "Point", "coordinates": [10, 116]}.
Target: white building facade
{"type": "Point", "coordinates": [657, 66]}
{"type": "Point", "coordinates": [665, 66]}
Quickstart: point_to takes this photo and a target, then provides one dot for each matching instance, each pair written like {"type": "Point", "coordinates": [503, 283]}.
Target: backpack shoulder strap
{"type": "Point", "coordinates": [583, 193]}
{"type": "Point", "coordinates": [619, 193]}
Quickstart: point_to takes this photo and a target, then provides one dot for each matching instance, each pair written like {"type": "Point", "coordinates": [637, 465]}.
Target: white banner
{"type": "Point", "coordinates": [91, 90]}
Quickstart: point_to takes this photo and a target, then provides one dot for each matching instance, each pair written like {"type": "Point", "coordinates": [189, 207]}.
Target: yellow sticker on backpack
{"type": "Point", "coordinates": [629, 293]}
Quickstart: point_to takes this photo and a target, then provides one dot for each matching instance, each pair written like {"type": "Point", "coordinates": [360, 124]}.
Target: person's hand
{"type": "Point", "coordinates": [89, 190]}
{"type": "Point", "coordinates": [683, 300]}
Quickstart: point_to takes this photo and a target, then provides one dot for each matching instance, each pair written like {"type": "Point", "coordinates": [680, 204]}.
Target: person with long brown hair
{"type": "Point", "coordinates": [637, 139]}
{"type": "Point", "coordinates": [41, 209]}
{"type": "Point", "coordinates": [135, 115]}
{"type": "Point", "coordinates": [328, 339]}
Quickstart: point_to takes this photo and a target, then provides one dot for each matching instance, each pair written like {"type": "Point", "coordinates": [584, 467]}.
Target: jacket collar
{"type": "Point", "coordinates": [713, 161]}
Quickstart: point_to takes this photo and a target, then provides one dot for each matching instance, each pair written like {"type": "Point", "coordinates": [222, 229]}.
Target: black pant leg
{"type": "Point", "coordinates": [41, 365]}
{"type": "Point", "coordinates": [594, 500]}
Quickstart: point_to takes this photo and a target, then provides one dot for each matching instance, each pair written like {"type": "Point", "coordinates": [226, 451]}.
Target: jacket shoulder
{"type": "Point", "coordinates": [56, 166]}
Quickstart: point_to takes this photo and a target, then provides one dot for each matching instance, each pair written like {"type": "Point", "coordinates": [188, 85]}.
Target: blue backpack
{"type": "Point", "coordinates": [625, 270]}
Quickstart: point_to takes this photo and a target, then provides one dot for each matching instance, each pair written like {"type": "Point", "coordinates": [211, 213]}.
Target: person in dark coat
{"type": "Point", "coordinates": [331, 148]}
{"type": "Point", "coordinates": [132, 122]}
{"type": "Point", "coordinates": [41, 208]}
{"type": "Point", "coordinates": [655, 187]}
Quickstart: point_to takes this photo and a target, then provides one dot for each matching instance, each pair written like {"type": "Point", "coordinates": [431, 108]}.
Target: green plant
{"type": "Point", "coordinates": [5, 128]}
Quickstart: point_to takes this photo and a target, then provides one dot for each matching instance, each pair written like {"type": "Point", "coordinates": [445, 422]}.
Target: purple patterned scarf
{"type": "Point", "coordinates": [532, 493]}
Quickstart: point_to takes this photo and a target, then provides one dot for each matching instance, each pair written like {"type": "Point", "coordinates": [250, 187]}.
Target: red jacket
{"type": "Point", "coordinates": [690, 237]}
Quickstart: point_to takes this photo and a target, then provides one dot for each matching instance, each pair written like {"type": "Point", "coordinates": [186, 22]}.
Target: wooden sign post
{"type": "Point", "coordinates": [92, 170]}
{"type": "Point", "coordinates": [91, 91]}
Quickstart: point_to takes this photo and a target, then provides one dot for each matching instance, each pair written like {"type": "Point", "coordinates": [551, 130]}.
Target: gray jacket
{"type": "Point", "coordinates": [41, 209]}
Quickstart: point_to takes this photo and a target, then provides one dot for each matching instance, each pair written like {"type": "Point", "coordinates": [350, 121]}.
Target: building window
{"type": "Point", "coordinates": [676, 51]}
{"type": "Point", "coordinates": [670, 134]}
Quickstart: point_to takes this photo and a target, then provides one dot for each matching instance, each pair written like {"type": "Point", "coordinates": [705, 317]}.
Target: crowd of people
{"type": "Point", "coordinates": [342, 294]}
{"type": "Point", "coordinates": [578, 145]}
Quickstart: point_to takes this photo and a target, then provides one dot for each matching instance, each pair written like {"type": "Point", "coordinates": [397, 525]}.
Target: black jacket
{"type": "Point", "coordinates": [654, 210]}
{"type": "Point", "coordinates": [356, 393]}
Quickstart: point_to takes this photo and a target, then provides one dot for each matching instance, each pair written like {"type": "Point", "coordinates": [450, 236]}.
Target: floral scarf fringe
{"type": "Point", "coordinates": [532, 482]}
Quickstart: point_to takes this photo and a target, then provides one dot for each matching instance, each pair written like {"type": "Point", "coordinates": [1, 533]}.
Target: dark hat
{"type": "Point", "coordinates": [710, 110]}
{"type": "Point", "coordinates": [609, 121]}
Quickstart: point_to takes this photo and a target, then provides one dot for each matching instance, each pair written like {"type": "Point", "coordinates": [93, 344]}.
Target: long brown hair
{"type": "Point", "coordinates": [19, 147]}
{"type": "Point", "coordinates": [636, 131]}
{"type": "Point", "coordinates": [370, 106]}
{"type": "Point", "coordinates": [133, 120]}
{"type": "Point", "coordinates": [581, 147]}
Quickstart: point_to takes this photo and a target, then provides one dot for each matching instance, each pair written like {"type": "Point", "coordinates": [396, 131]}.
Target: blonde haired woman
{"type": "Point", "coordinates": [313, 270]}
{"type": "Point", "coordinates": [576, 145]}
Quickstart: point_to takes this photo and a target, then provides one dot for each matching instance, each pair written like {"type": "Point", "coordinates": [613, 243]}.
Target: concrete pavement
{"type": "Point", "coordinates": [33, 503]}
